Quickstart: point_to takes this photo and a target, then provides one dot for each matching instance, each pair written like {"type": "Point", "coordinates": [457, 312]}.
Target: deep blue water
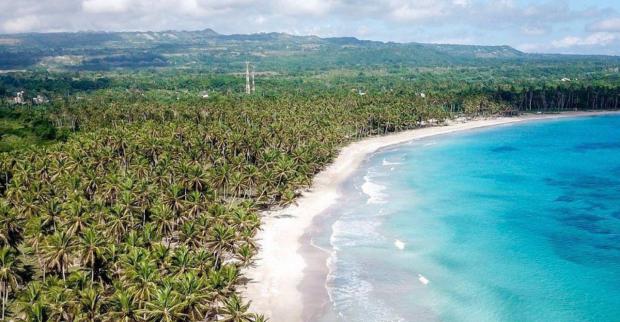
{"type": "Point", "coordinates": [511, 223]}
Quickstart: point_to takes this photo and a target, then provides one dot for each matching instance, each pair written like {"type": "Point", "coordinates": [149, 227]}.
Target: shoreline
{"type": "Point", "coordinates": [288, 279]}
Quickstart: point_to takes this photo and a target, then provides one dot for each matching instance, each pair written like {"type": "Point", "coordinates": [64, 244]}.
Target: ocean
{"type": "Point", "coordinates": [518, 222]}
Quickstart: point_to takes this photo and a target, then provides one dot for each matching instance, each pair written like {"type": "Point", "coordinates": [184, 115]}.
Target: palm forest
{"type": "Point", "coordinates": [134, 166]}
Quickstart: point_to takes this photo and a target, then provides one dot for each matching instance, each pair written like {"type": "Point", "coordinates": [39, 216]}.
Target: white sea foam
{"type": "Point", "coordinates": [423, 279]}
{"type": "Point", "coordinates": [399, 244]}
{"type": "Point", "coordinates": [351, 233]}
{"type": "Point", "coordinates": [386, 163]}
{"type": "Point", "coordinates": [374, 192]}
{"type": "Point", "coordinates": [351, 295]}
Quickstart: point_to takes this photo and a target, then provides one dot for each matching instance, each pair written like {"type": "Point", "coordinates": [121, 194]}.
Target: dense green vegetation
{"type": "Point", "coordinates": [130, 196]}
{"type": "Point", "coordinates": [21, 127]}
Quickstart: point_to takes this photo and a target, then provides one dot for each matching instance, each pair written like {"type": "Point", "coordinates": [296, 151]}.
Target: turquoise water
{"type": "Point", "coordinates": [511, 223]}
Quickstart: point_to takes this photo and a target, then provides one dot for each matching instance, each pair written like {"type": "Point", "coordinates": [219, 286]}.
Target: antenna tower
{"type": "Point", "coordinates": [253, 85]}
{"type": "Point", "coordinates": [247, 78]}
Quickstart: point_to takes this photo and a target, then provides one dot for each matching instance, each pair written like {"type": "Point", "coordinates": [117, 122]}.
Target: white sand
{"type": "Point", "coordinates": [274, 290]}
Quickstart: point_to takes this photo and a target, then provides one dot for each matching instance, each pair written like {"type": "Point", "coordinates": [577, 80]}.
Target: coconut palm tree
{"type": "Point", "coordinates": [196, 296]}
{"type": "Point", "coordinates": [123, 307]}
{"type": "Point", "coordinates": [9, 275]}
{"type": "Point", "coordinates": [91, 247]}
{"type": "Point", "coordinates": [58, 251]}
{"type": "Point", "coordinates": [235, 311]}
{"type": "Point", "coordinates": [90, 304]}
{"type": "Point", "coordinates": [61, 301]}
{"type": "Point", "coordinates": [76, 217]}
{"type": "Point", "coordinates": [245, 254]}
{"type": "Point", "coordinates": [164, 219]}
{"type": "Point", "coordinates": [51, 213]}
{"type": "Point", "coordinates": [220, 240]}
{"type": "Point", "coordinates": [165, 306]}
{"type": "Point", "coordinates": [36, 312]}
{"type": "Point", "coordinates": [28, 299]}
{"type": "Point", "coordinates": [10, 225]}
{"type": "Point", "coordinates": [142, 280]}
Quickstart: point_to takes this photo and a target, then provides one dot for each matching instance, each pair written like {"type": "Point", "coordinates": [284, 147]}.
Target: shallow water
{"type": "Point", "coordinates": [512, 223]}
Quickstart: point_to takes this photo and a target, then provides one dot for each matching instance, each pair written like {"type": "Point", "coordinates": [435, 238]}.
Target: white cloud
{"type": "Point", "coordinates": [305, 7]}
{"type": "Point", "coordinates": [534, 30]}
{"type": "Point", "coordinates": [530, 48]}
{"type": "Point", "coordinates": [363, 30]}
{"type": "Point", "coordinates": [454, 41]}
{"type": "Point", "coordinates": [260, 20]}
{"type": "Point", "coordinates": [222, 7]}
{"type": "Point", "coordinates": [461, 3]}
{"type": "Point", "coordinates": [609, 25]}
{"type": "Point", "coordinates": [105, 6]}
{"type": "Point", "coordinates": [21, 24]}
{"type": "Point", "coordinates": [594, 39]}
{"type": "Point", "coordinates": [407, 11]}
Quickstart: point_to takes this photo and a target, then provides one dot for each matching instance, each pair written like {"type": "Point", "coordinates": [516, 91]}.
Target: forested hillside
{"type": "Point", "coordinates": [276, 52]}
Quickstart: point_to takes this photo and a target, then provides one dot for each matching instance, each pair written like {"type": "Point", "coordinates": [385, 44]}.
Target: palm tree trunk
{"type": "Point", "coordinates": [41, 265]}
{"type": "Point", "coordinates": [6, 297]}
{"type": "Point", "coordinates": [3, 298]}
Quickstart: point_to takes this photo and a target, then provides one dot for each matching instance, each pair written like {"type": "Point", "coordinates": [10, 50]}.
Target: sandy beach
{"type": "Point", "coordinates": [280, 287]}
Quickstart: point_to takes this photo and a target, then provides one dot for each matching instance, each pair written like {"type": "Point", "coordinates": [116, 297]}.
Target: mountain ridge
{"type": "Point", "coordinates": [208, 49]}
{"type": "Point", "coordinates": [212, 33]}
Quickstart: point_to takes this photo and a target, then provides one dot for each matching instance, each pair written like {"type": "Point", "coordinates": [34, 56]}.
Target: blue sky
{"type": "Point", "coordinates": [559, 26]}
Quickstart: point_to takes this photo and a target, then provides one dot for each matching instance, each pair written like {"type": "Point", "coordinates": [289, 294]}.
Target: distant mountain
{"type": "Point", "coordinates": [209, 50]}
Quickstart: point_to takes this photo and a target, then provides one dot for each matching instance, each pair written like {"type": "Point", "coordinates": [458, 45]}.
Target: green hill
{"type": "Point", "coordinates": [207, 49]}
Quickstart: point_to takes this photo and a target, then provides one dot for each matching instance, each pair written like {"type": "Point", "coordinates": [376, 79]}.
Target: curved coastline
{"type": "Point", "coordinates": [288, 279]}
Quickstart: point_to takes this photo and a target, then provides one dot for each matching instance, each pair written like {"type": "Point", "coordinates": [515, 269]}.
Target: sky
{"type": "Point", "coordinates": [548, 26]}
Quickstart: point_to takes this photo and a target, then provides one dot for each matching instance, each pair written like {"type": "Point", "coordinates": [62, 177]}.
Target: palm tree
{"type": "Point", "coordinates": [51, 213]}
{"type": "Point", "coordinates": [28, 299]}
{"type": "Point", "coordinates": [221, 240]}
{"type": "Point", "coordinates": [259, 318]}
{"type": "Point", "coordinates": [164, 219]}
{"type": "Point", "coordinates": [10, 225]}
{"type": "Point", "coordinates": [181, 260]}
{"type": "Point", "coordinates": [174, 197]}
{"type": "Point", "coordinates": [58, 251]}
{"type": "Point", "coordinates": [235, 311]}
{"type": "Point", "coordinates": [90, 303]}
{"type": "Point", "coordinates": [91, 246]}
{"type": "Point", "coordinates": [76, 217]}
{"type": "Point", "coordinates": [36, 312]}
{"type": "Point", "coordinates": [116, 223]}
{"type": "Point", "coordinates": [245, 254]}
{"type": "Point", "coordinates": [9, 275]}
{"type": "Point", "coordinates": [35, 238]}
{"type": "Point", "coordinates": [197, 297]}
{"type": "Point", "coordinates": [141, 280]}
{"type": "Point", "coordinates": [191, 234]}
{"type": "Point", "coordinates": [123, 307]}
{"type": "Point", "coordinates": [61, 302]}
{"type": "Point", "coordinates": [193, 206]}
{"type": "Point", "coordinates": [165, 306]}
